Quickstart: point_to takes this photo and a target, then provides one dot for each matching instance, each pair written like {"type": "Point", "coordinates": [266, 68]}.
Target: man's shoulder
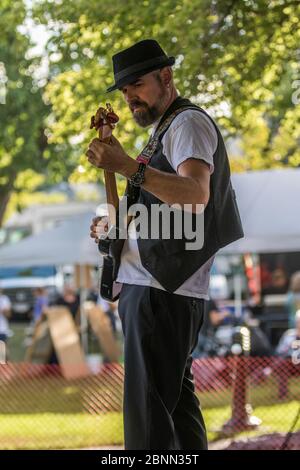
{"type": "Point", "coordinates": [190, 124]}
{"type": "Point", "coordinates": [194, 117]}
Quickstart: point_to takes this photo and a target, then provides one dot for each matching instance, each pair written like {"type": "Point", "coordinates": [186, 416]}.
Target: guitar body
{"type": "Point", "coordinates": [109, 289]}
{"type": "Point", "coordinates": [111, 249]}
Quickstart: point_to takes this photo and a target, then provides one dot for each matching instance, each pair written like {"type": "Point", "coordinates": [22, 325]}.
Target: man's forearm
{"type": "Point", "coordinates": [170, 188]}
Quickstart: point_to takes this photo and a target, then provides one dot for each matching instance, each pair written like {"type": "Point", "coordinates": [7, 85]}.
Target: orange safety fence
{"type": "Point", "coordinates": [247, 402]}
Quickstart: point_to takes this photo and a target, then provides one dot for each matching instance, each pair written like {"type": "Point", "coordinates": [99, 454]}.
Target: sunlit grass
{"type": "Point", "coordinates": [60, 431]}
{"type": "Point", "coordinates": [78, 430]}
{"type": "Point", "coordinates": [49, 412]}
{"type": "Point", "coordinates": [275, 418]}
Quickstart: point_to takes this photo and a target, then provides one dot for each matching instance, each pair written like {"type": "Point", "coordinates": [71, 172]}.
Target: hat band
{"type": "Point", "coordinates": [140, 66]}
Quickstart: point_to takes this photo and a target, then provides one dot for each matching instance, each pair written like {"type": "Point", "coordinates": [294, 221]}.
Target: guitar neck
{"type": "Point", "coordinates": [112, 197]}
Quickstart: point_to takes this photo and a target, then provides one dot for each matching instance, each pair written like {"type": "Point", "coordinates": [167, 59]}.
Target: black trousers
{"type": "Point", "coordinates": [161, 410]}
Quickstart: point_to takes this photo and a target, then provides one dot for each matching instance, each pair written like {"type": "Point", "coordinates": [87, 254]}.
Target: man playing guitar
{"type": "Point", "coordinates": [164, 286]}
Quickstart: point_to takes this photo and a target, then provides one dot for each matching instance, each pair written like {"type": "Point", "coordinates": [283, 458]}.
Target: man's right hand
{"type": "Point", "coordinates": [98, 228]}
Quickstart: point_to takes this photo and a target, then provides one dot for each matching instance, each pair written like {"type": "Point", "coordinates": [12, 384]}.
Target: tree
{"type": "Point", "coordinates": [238, 58]}
{"type": "Point", "coordinates": [24, 149]}
{"type": "Point", "coordinates": [22, 140]}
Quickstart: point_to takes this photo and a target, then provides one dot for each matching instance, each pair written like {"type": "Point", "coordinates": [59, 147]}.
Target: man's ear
{"type": "Point", "coordinates": [166, 74]}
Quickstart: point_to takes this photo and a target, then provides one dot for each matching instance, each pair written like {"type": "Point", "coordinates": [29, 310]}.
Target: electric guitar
{"type": "Point", "coordinates": [104, 122]}
{"type": "Point", "coordinates": [111, 246]}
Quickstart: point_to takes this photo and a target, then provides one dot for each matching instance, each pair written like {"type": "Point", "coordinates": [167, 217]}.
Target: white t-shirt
{"type": "Point", "coordinates": [4, 305]}
{"type": "Point", "coordinates": [190, 135]}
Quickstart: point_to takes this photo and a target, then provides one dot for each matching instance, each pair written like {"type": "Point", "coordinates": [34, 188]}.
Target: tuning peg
{"type": "Point", "coordinates": [112, 117]}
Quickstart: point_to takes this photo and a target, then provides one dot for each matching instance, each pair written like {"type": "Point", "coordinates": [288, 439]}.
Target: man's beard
{"type": "Point", "coordinates": [145, 116]}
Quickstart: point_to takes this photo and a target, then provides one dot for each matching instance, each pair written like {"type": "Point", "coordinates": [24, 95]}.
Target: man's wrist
{"type": "Point", "coordinates": [131, 168]}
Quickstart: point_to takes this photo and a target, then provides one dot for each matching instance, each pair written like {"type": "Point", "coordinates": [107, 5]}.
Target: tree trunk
{"type": "Point", "coordinates": [5, 193]}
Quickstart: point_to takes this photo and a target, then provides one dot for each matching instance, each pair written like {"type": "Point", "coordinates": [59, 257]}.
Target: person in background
{"type": "Point", "coordinates": [289, 339]}
{"type": "Point", "coordinates": [279, 282]}
{"type": "Point", "coordinates": [111, 311]}
{"type": "Point", "coordinates": [5, 312]}
{"type": "Point", "coordinates": [288, 352]}
{"type": "Point", "coordinates": [212, 337]}
{"type": "Point", "coordinates": [213, 318]}
{"type": "Point", "coordinates": [71, 300]}
{"type": "Point", "coordinates": [216, 315]}
{"type": "Point", "coordinates": [265, 276]}
{"type": "Point", "coordinates": [40, 301]}
{"type": "Point", "coordinates": [293, 298]}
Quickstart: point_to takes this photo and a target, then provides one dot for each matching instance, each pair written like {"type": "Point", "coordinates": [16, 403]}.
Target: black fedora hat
{"type": "Point", "coordinates": [139, 59]}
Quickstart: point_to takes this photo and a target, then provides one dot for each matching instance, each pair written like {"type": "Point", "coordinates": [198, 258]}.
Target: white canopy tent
{"type": "Point", "coordinates": [269, 204]}
{"type": "Point", "coordinates": [68, 243]}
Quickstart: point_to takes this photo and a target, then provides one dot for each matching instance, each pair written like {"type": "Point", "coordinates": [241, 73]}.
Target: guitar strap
{"type": "Point", "coordinates": [145, 156]}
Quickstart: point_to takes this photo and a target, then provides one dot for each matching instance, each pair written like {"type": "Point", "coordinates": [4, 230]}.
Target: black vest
{"type": "Point", "coordinates": [168, 261]}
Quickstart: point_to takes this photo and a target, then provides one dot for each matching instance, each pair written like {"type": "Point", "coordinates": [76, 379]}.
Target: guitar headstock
{"type": "Point", "coordinates": [104, 117]}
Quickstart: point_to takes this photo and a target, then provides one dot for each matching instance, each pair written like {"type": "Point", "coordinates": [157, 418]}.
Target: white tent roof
{"type": "Point", "coordinates": [269, 203]}
{"type": "Point", "coordinates": [68, 243]}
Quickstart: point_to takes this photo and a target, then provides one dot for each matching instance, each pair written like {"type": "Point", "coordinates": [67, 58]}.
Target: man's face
{"type": "Point", "coordinates": [146, 98]}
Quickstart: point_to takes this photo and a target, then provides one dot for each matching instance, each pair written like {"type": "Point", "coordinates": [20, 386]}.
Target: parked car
{"type": "Point", "coordinates": [19, 284]}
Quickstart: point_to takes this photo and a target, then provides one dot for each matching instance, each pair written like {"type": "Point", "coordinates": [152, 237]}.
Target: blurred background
{"type": "Point", "coordinates": [239, 60]}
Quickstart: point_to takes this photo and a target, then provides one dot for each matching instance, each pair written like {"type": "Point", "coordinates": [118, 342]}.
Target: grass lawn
{"type": "Point", "coordinates": [275, 418]}
{"type": "Point", "coordinates": [51, 413]}
{"type": "Point", "coordinates": [60, 430]}
{"type": "Point", "coordinates": [16, 346]}
{"type": "Point", "coordinates": [77, 430]}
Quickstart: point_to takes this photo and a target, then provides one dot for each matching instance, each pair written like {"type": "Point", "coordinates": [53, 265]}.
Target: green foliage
{"type": "Point", "coordinates": [22, 139]}
{"type": "Point", "coordinates": [235, 58]}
